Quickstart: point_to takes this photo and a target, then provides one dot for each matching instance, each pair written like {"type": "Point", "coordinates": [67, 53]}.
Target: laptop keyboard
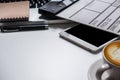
{"type": "Point", "coordinates": [37, 3]}
{"type": "Point", "coordinates": [33, 3]}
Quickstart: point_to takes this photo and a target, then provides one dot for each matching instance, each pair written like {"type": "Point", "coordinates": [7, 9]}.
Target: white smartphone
{"type": "Point", "coordinates": [89, 37]}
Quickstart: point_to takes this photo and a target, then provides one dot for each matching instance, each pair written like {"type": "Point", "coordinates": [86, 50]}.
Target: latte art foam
{"type": "Point", "coordinates": [112, 53]}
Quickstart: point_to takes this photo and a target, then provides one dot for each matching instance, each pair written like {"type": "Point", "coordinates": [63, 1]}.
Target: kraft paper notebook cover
{"type": "Point", "coordinates": [14, 11]}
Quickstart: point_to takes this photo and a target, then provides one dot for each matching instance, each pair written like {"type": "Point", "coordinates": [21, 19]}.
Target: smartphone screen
{"type": "Point", "coordinates": [94, 36]}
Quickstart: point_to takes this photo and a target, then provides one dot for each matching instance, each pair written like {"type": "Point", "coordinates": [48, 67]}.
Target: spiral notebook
{"type": "Point", "coordinates": [14, 11]}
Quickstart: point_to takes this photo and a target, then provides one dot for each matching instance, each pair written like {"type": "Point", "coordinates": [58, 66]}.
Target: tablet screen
{"type": "Point", "coordinates": [91, 35]}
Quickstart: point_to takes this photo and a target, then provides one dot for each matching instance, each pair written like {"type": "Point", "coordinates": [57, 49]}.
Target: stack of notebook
{"type": "Point", "coordinates": [14, 11]}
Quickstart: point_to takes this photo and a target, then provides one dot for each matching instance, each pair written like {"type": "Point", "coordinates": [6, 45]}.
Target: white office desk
{"type": "Point", "coordinates": [43, 55]}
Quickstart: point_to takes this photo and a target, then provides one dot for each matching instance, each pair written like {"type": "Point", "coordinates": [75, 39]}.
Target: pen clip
{"type": "Point", "coordinates": [9, 29]}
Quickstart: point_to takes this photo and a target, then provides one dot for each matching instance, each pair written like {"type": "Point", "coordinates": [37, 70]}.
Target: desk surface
{"type": "Point", "coordinates": [43, 55]}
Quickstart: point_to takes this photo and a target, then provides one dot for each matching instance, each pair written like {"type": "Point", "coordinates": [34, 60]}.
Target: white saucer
{"type": "Point", "coordinates": [92, 70]}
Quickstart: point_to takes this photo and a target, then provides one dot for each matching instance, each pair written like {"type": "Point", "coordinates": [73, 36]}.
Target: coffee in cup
{"type": "Point", "coordinates": [112, 53]}
{"type": "Point", "coordinates": [111, 61]}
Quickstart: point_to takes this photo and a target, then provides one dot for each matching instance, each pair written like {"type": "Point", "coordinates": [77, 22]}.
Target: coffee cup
{"type": "Point", "coordinates": [111, 62]}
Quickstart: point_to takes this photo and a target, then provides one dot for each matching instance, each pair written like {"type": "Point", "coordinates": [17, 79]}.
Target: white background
{"type": "Point", "coordinates": [43, 55]}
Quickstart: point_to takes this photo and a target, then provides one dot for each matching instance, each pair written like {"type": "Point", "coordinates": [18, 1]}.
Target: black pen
{"type": "Point", "coordinates": [23, 26]}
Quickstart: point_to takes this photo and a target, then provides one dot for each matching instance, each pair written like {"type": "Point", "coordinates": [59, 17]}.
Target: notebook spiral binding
{"type": "Point", "coordinates": [14, 19]}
